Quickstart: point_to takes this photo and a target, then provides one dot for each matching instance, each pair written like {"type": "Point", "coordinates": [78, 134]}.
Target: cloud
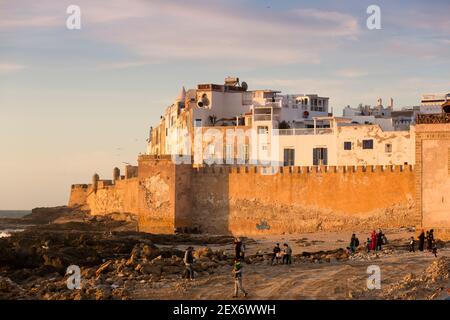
{"type": "Point", "coordinates": [10, 67]}
{"type": "Point", "coordinates": [351, 73]}
{"type": "Point", "coordinates": [197, 30]}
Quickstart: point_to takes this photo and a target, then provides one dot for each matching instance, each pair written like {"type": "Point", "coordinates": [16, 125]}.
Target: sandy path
{"type": "Point", "coordinates": [338, 280]}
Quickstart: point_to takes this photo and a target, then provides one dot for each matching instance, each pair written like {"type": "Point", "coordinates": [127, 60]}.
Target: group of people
{"type": "Point", "coordinates": [374, 243]}
{"type": "Point", "coordinates": [285, 254]}
{"type": "Point", "coordinates": [429, 238]}
{"type": "Point", "coordinates": [239, 247]}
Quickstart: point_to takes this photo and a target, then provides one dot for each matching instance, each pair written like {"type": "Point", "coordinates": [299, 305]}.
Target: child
{"type": "Point", "coordinates": [237, 271]}
{"type": "Point", "coordinates": [434, 248]}
{"type": "Point", "coordinates": [412, 244]}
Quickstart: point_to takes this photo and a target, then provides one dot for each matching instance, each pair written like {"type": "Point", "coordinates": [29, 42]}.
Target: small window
{"type": "Point", "coordinates": [347, 145]}
{"type": "Point", "coordinates": [263, 130]}
{"type": "Point", "coordinates": [198, 122]}
{"type": "Point", "coordinates": [368, 144]}
{"type": "Point", "coordinates": [388, 147]}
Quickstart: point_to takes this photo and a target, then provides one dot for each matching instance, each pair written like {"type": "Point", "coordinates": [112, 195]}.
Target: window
{"type": "Point", "coordinates": [347, 145]}
{"type": "Point", "coordinates": [244, 153]}
{"type": "Point", "coordinates": [198, 123]}
{"type": "Point", "coordinates": [228, 152]}
{"type": "Point", "coordinates": [368, 144]}
{"type": "Point", "coordinates": [263, 129]}
{"type": "Point", "coordinates": [388, 148]}
{"type": "Point", "coordinates": [320, 156]}
{"type": "Point", "coordinates": [264, 147]}
{"type": "Point", "coordinates": [289, 157]}
{"type": "Point", "coordinates": [211, 150]}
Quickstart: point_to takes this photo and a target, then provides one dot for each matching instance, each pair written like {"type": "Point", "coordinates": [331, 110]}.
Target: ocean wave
{"type": "Point", "coordinates": [5, 233]}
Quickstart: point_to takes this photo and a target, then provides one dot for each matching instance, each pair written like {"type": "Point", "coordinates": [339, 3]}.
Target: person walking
{"type": "Point", "coordinates": [276, 253]}
{"type": "Point", "coordinates": [434, 248]}
{"type": "Point", "coordinates": [287, 253]}
{"type": "Point", "coordinates": [380, 237]}
{"type": "Point", "coordinates": [188, 263]}
{"type": "Point", "coordinates": [237, 272]}
{"type": "Point", "coordinates": [421, 240]}
{"type": "Point", "coordinates": [412, 244]}
{"type": "Point", "coordinates": [237, 248]}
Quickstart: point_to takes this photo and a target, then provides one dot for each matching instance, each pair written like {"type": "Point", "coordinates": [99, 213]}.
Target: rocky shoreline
{"type": "Point", "coordinates": [115, 260]}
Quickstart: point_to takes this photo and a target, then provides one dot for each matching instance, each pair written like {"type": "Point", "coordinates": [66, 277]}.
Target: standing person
{"type": "Point", "coordinates": [421, 240]}
{"type": "Point", "coordinates": [379, 240]}
{"type": "Point", "coordinates": [354, 242]}
{"type": "Point", "coordinates": [373, 238]}
{"type": "Point", "coordinates": [432, 235]}
{"type": "Point", "coordinates": [287, 254]}
{"type": "Point", "coordinates": [237, 272]}
{"type": "Point", "coordinates": [368, 244]}
{"type": "Point", "coordinates": [276, 253]}
{"type": "Point", "coordinates": [237, 247]}
{"type": "Point", "coordinates": [188, 262]}
{"type": "Point", "coordinates": [429, 241]}
{"type": "Point", "coordinates": [243, 248]}
{"type": "Point", "coordinates": [412, 244]}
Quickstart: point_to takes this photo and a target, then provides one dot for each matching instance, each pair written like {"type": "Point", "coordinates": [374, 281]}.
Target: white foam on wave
{"type": "Point", "coordinates": [4, 234]}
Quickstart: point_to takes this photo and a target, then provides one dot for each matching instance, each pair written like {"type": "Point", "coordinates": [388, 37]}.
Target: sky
{"type": "Point", "coordinates": [76, 102]}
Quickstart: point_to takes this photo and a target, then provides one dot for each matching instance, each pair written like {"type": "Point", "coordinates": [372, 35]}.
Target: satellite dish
{"type": "Point", "coordinates": [204, 102]}
{"type": "Point", "coordinates": [244, 85]}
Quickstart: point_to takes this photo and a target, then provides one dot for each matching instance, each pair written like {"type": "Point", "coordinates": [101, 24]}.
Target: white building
{"type": "Point", "coordinates": [293, 129]}
{"type": "Point", "coordinates": [432, 103]}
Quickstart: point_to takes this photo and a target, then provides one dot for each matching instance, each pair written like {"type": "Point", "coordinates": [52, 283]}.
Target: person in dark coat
{"type": "Point", "coordinates": [354, 243]}
{"type": "Point", "coordinates": [421, 240]}
{"type": "Point", "coordinates": [276, 253]}
{"type": "Point", "coordinates": [188, 262]}
{"type": "Point", "coordinates": [379, 240]}
{"type": "Point", "coordinates": [412, 244]}
{"type": "Point", "coordinates": [429, 241]}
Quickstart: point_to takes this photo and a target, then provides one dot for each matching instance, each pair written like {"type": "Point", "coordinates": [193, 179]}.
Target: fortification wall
{"type": "Point", "coordinates": [296, 199]}
{"type": "Point", "coordinates": [248, 201]}
{"type": "Point", "coordinates": [78, 196]}
{"type": "Point", "coordinates": [156, 195]}
{"type": "Point", "coordinates": [120, 197]}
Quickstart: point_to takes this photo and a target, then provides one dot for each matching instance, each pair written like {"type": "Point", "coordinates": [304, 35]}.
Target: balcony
{"type": "Point", "coordinates": [302, 131]}
{"type": "Point", "coordinates": [262, 117]}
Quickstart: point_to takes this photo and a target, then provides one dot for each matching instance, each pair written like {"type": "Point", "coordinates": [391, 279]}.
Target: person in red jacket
{"type": "Point", "coordinates": [373, 243]}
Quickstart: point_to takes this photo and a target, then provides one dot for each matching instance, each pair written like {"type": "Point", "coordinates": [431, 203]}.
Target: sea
{"type": "Point", "coordinates": [6, 232]}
